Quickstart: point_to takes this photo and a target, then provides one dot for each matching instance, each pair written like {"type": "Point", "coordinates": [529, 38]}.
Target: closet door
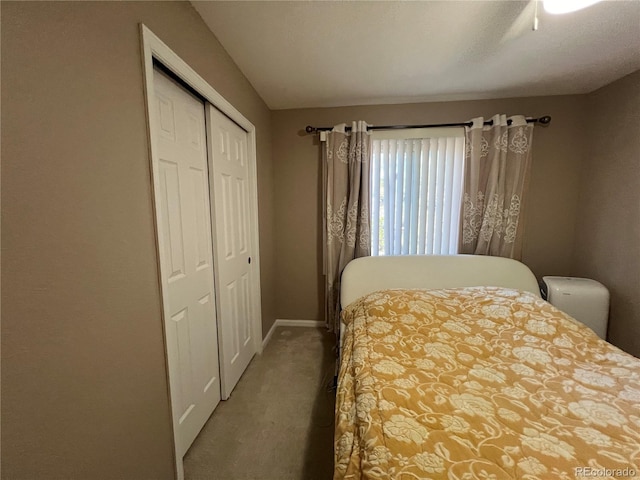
{"type": "Point", "coordinates": [185, 240]}
{"type": "Point", "coordinates": [232, 213]}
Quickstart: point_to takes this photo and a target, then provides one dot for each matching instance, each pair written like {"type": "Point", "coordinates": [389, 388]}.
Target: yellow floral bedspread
{"type": "Point", "coordinates": [481, 383]}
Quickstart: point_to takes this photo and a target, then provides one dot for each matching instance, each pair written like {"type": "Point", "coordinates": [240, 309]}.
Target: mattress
{"type": "Point", "coordinates": [481, 382]}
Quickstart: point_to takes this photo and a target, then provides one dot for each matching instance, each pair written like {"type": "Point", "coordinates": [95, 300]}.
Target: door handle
{"type": "Point", "coordinates": [249, 261]}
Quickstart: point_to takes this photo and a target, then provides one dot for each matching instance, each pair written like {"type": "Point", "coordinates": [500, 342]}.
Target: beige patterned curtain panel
{"type": "Point", "coordinates": [346, 200]}
{"type": "Point", "coordinates": [497, 166]}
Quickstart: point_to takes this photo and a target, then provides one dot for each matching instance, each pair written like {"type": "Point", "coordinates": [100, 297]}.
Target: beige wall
{"type": "Point", "coordinates": [552, 204]}
{"type": "Point", "coordinates": [84, 391]}
{"type": "Point", "coordinates": [607, 241]}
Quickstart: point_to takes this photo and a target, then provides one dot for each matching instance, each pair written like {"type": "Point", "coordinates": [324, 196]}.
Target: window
{"type": "Point", "coordinates": [416, 191]}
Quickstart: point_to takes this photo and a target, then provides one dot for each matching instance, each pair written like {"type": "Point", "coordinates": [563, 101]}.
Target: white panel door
{"type": "Point", "coordinates": [231, 191]}
{"type": "Point", "coordinates": [185, 240]}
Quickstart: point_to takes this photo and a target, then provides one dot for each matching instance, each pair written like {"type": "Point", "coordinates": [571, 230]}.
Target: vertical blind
{"type": "Point", "coordinates": [416, 192]}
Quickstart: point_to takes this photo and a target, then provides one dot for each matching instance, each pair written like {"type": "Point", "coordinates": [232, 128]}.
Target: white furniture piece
{"type": "Point", "coordinates": [584, 299]}
{"type": "Point", "coordinates": [369, 274]}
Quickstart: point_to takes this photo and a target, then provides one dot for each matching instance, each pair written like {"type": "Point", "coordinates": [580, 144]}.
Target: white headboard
{"type": "Point", "coordinates": [368, 274]}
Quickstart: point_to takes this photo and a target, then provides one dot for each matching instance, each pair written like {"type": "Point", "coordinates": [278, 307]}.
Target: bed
{"type": "Point", "coordinates": [454, 367]}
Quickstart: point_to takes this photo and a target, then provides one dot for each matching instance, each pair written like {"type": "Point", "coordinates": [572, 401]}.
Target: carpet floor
{"type": "Point", "coordinates": [278, 423]}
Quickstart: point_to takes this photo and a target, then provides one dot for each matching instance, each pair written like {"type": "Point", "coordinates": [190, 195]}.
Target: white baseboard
{"type": "Point", "coordinates": [269, 334]}
{"type": "Point", "coordinates": [299, 323]}
{"type": "Point", "coordinates": [290, 323]}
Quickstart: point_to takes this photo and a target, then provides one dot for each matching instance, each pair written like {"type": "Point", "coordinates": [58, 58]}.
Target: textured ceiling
{"type": "Point", "coordinates": [301, 54]}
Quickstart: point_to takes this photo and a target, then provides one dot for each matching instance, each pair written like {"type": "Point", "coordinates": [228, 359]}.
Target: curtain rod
{"type": "Point", "coordinates": [544, 120]}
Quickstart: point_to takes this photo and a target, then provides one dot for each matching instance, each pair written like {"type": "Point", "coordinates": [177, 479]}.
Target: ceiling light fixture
{"type": "Point", "coordinates": [566, 6]}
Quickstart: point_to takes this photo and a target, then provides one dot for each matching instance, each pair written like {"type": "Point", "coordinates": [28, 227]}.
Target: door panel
{"type": "Point", "coordinates": [184, 225]}
{"type": "Point", "coordinates": [230, 180]}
